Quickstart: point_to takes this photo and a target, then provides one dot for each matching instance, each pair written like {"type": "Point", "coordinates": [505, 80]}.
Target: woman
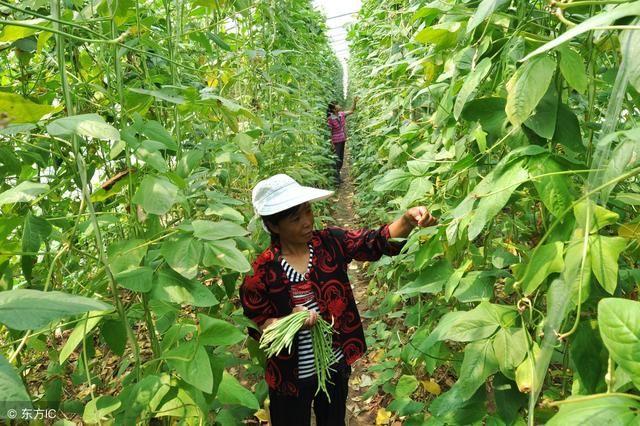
{"type": "Point", "coordinates": [307, 269]}
{"type": "Point", "coordinates": [336, 120]}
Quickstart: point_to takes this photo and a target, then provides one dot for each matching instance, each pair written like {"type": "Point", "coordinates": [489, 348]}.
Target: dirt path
{"type": "Point", "coordinates": [360, 412]}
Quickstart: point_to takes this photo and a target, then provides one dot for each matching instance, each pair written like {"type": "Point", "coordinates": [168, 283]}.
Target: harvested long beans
{"type": "Point", "coordinates": [281, 334]}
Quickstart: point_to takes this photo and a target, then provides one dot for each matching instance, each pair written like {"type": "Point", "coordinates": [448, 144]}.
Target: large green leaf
{"type": "Point", "coordinates": [598, 216]}
{"type": "Point", "coordinates": [208, 230]}
{"type": "Point", "coordinates": [21, 110]}
{"type": "Point", "coordinates": [225, 253]}
{"type": "Point", "coordinates": [13, 394]}
{"type": "Point", "coordinates": [183, 253]}
{"type": "Point", "coordinates": [572, 68]}
{"type": "Point", "coordinates": [471, 83]}
{"type": "Point", "coordinates": [543, 120]}
{"type": "Point", "coordinates": [407, 384]}
{"type": "Point", "coordinates": [568, 131]}
{"type": "Point", "coordinates": [604, 410]}
{"type": "Point", "coordinates": [156, 195]}
{"type": "Point", "coordinates": [625, 156]}
{"type": "Point", "coordinates": [192, 364]}
{"type": "Point", "coordinates": [526, 88]}
{"type": "Point", "coordinates": [12, 33]}
{"type": "Point", "coordinates": [23, 192]}
{"type": "Point", "coordinates": [489, 112]}
{"type": "Point", "coordinates": [619, 322]}
{"type": "Point", "coordinates": [601, 20]}
{"type": "Point", "coordinates": [216, 332]}
{"type": "Point", "coordinates": [393, 180]}
{"type": "Point", "coordinates": [25, 309]}
{"type": "Point", "coordinates": [87, 125]}
{"type": "Point", "coordinates": [630, 48]}
{"type": "Point", "coordinates": [589, 356]}
{"type": "Point", "coordinates": [478, 364]}
{"type": "Point", "coordinates": [136, 279]}
{"type": "Point", "coordinates": [485, 9]}
{"type": "Point", "coordinates": [510, 348]}
{"type": "Point", "coordinates": [169, 286]}
{"type": "Point", "coordinates": [546, 260]}
{"type": "Point", "coordinates": [145, 397]}
{"type": "Point", "coordinates": [441, 35]}
{"type": "Point", "coordinates": [552, 187]}
{"type": "Point", "coordinates": [495, 195]}
{"type": "Point", "coordinates": [35, 230]}
{"type": "Point", "coordinates": [604, 259]}
{"type": "Point", "coordinates": [97, 409]}
{"type": "Point", "coordinates": [126, 254]}
{"type": "Point", "coordinates": [81, 330]}
{"type": "Point", "coordinates": [232, 392]}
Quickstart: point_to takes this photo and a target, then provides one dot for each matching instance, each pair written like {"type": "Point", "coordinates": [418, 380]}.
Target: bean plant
{"type": "Point", "coordinates": [131, 134]}
{"type": "Point", "coordinates": [517, 123]}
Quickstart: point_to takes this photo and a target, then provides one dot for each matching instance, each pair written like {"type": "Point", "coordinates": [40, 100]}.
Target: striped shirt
{"type": "Point", "coordinates": [302, 295]}
{"type": "Point", "coordinates": [337, 124]}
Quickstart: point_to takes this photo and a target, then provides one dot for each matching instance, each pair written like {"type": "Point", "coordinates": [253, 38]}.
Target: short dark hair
{"type": "Point", "coordinates": [331, 107]}
{"type": "Point", "coordinates": [275, 218]}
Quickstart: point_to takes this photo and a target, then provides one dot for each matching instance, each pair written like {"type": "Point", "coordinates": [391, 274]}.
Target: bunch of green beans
{"type": "Point", "coordinates": [282, 333]}
{"type": "Point", "coordinates": [323, 354]}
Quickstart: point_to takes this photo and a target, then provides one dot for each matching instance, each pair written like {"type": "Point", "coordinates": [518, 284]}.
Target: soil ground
{"type": "Point", "coordinates": [359, 412]}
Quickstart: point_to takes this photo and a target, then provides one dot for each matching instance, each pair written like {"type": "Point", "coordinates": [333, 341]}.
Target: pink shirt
{"type": "Point", "coordinates": [337, 124]}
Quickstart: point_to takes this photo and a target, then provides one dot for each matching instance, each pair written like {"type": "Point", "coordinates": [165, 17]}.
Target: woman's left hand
{"type": "Point", "coordinates": [420, 216]}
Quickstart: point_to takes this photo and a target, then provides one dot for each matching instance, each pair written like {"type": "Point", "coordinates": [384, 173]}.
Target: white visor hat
{"type": "Point", "coordinates": [280, 192]}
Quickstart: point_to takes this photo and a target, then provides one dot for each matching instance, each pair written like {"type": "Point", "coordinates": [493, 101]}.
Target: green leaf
{"type": "Point", "coordinates": [192, 364]}
{"type": "Point", "coordinates": [171, 287]}
{"type": "Point", "coordinates": [604, 259]}
{"type": "Point", "coordinates": [619, 322]}
{"type": "Point", "coordinates": [13, 394]}
{"type": "Point", "coordinates": [138, 279]}
{"type": "Point", "coordinates": [145, 397]}
{"type": "Point", "coordinates": [12, 33]}
{"type": "Point", "coordinates": [406, 386]}
{"type": "Point", "coordinates": [25, 309]}
{"type": "Point", "coordinates": [232, 392]}
{"type": "Point", "coordinates": [21, 110]}
{"type": "Point", "coordinates": [216, 332]}
{"type": "Point", "coordinates": [24, 192]}
{"type": "Point", "coordinates": [601, 20]}
{"type": "Point", "coordinates": [567, 131]}
{"type": "Point", "coordinates": [510, 348]}
{"type": "Point", "coordinates": [526, 88]}
{"type": "Point", "coordinates": [441, 35]}
{"type": "Point", "coordinates": [207, 230]}
{"type": "Point", "coordinates": [604, 410]}
{"type": "Point", "coordinates": [624, 157]}
{"type": "Point", "coordinates": [115, 335]}
{"type": "Point", "coordinates": [226, 254]}
{"type": "Point", "coordinates": [600, 217]}
{"type": "Point", "coordinates": [509, 400]}
{"type": "Point", "coordinates": [156, 195]}
{"type": "Point", "coordinates": [97, 409]}
{"type": "Point", "coordinates": [630, 48]}
{"type": "Point", "coordinates": [451, 408]}
{"type": "Point", "coordinates": [589, 356]}
{"type": "Point", "coordinates": [183, 253]}
{"type": "Point", "coordinates": [393, 180]}
{"type": "Point", "coordinates": [546, 260]}
{"type": "Point", "coordinates": [485, 9]}
{"type": "Point", "coordinates": [544, 119]}
{"type": "Point", "coordinates": [472, 81]}
{"type": "Point", "coordinates": [164, 94]}
{"type": "Point", "coordinates": [125, 255]}
{"type": "Point", "coordinates": [80, 331]}
{"type": "Point", "coordinates": [35, 231]}
{"type": "Point", "coordinates": [85, 125]}
{"type": "Point", "coordinates": [572, 68]}
{"type": "Point", "coordinates": [478, 364]}
{"type": "Point", "coordinates": [489, 112]}
{"type": "Point", "coordinates": [430, 280]}
{"type": "Point", "coordinates": [495, 193]}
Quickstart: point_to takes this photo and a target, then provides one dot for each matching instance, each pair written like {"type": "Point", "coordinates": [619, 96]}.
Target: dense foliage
{"type": "Point", "coordinates": [517, 122]}
{"type": "Point", "coordinates": [130, 137]}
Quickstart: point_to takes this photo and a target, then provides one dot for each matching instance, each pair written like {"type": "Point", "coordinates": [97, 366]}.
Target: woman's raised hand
{"type": "Point", "coordinates": [420, 216]}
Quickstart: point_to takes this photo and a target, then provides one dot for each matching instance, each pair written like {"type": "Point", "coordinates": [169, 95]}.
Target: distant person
{"type": "Point", "coordinates": [336, 120]}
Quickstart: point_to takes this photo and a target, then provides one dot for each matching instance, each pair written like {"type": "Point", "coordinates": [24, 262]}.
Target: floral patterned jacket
{"type": "Point", "coordinates": [266, 294]}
